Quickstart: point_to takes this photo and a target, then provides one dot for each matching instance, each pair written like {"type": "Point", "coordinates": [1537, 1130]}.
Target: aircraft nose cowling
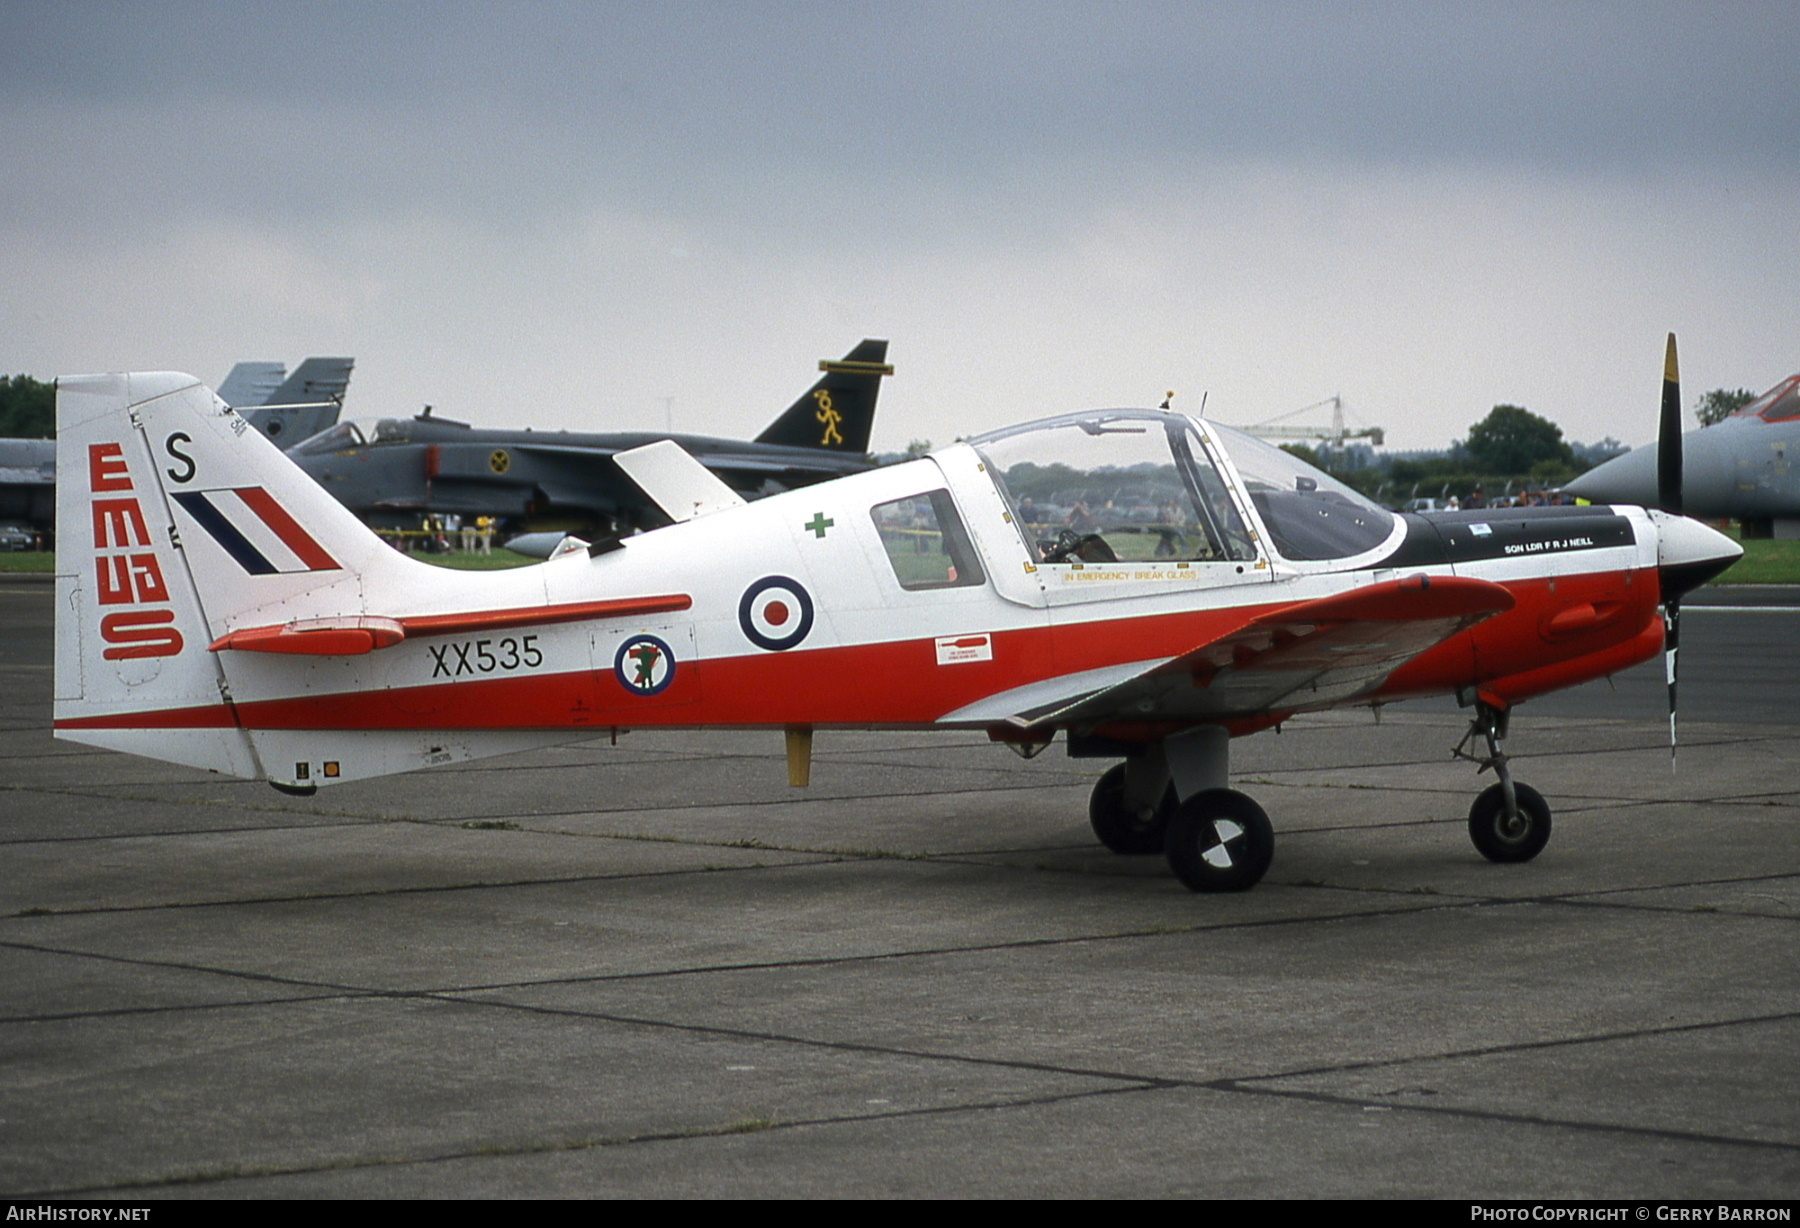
{"type": "Point", "coordinates": [1630, 478]}
{"type": "Point", "coordinates": [1688, 553]}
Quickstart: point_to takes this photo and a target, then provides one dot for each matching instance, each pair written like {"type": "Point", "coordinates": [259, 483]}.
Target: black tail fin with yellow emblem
{"type": "Point", "coordinates": [837, 413]}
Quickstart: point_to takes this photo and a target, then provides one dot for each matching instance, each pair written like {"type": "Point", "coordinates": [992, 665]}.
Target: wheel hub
{"type": "Point", "coordinates": [1227, 833]}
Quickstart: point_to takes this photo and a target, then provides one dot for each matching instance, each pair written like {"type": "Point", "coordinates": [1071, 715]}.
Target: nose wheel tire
{"type": "Point", "coordinates": [1502, 839]}
{"type": "Point", "coordinates": [1124, 828]}
{"type": "Point", "coordinates": [1219, 840]}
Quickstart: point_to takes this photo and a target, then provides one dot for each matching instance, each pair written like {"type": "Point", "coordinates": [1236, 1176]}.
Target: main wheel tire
{"type": "Point", "coordinates": [1499, 840]}
{"type": "Point", "coordinates": [1120, 827]}
{"type": "Point", "coordinates": [1219, 840]}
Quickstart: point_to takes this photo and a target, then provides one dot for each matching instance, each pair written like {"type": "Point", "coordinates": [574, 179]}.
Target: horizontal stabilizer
{"type": "Point", "coordinates": [675, 481]}
{"type": "Point", "coordinates": [355, 635]}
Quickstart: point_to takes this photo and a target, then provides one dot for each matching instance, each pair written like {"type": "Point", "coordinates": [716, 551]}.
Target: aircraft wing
{"type": "Point", "coordinates": [1311, 655]}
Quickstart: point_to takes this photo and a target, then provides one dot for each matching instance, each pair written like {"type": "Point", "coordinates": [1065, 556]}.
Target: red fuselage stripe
{"type": "Point", "coordinates": [900, 683]}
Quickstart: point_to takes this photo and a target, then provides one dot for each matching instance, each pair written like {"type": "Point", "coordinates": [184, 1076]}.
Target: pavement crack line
{"type": "Point", "coordinates": [463, 992]}
{"type": "Point", "coordinates": [117, 1012]}
{"type": "Point", "coordinates": [500, 1151]}
{"type": "Point", "coordinates": [1239, 1087]}
{"type": "Point", "coordinates": [322, 823]}
{"type": "Point", "coordinates": [327, 897]}
{"type": "Point", "coordinates": [1247, 1085]}
{"type": "Point", "coordinates": [332, 989]}
{"type": "Point", "coordinates": [1522, 1046]}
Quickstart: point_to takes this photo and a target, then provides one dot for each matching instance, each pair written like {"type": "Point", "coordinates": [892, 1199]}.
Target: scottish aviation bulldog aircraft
{"type": "Point", "coordinates": [1149, 584]}
{"type": "Point", "coordinates": [1738, 468]}
{"type": "Point", "coordinates": [523, 477]}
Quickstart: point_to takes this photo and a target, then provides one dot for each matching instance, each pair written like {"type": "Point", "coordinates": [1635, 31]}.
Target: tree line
{"type": "Point", "coordinates": [1512, 448]}
{"type": "Point", "coordinates": [27, 408]}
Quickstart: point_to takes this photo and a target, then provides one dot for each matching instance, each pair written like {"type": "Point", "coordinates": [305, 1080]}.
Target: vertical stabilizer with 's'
{"type": "Point", "coordinates": [180, 526]}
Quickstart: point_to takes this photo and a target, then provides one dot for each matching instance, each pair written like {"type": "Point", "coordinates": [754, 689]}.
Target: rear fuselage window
{"type": "Point", "coordinates": [926, 543]}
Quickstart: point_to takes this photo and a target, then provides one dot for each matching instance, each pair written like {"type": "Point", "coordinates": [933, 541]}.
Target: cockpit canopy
{"type": "Point", "coordinates": [1310, 515]}
{"type": "Point", "coordinates": [1142, 485]}
{"type": "Point", "coordinates": [1779, 404]}
{"type": "Point", "coordinates": [332, 439]}
{"type": "Point", "coordinates": [347, 435]}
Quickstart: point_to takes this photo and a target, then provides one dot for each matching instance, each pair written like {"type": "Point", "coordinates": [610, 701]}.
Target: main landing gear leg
{"type": "Point", "coordinates": [1509, 821]}
{"type": "Point", "coordinates": [1130, 807]}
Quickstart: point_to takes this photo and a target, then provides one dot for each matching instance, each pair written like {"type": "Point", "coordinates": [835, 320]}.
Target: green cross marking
{"type": "Point", "coordinates": [818, 524]}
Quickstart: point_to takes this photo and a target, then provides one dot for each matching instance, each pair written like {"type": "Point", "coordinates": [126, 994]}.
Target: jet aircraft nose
{"type": "Point", "coordinates": [1630, 478]}
{"type": "Point", "coordinates": [1688, 553]}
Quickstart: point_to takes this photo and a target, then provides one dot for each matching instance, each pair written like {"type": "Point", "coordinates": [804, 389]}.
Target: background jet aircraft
{"type": "Point", "coordinates": [289, 408]}
{"type": "Point", "coordinates": [285, 408]}
{"type": "Point", "coordinates": [1738, 468]}
{"type": "Point", "coordinates": [426, 465]}
{"type": "Point", "coordinates": [28, 484]}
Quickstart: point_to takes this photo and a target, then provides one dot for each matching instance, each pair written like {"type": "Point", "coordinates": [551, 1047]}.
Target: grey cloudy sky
{"type": "Point", "coordinates": [560, 215]}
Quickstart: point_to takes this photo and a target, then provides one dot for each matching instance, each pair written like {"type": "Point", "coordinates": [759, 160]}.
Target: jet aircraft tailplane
{"type": "Point", "coordinates": [837, 413]}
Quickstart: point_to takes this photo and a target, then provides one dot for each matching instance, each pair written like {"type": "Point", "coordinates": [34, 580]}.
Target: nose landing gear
{"type": "Point", "coordinates": [1509, 822]}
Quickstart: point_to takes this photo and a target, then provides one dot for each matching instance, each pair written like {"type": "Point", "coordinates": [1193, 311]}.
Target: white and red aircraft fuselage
{"type": "Point", "coordinates": [1148, 583]}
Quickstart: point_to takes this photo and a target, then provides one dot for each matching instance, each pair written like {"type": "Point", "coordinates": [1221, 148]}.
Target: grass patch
{"type": "Point", "coordinates": [1765, 561]}
{"type": "Point", "coordinates": [28, 562]}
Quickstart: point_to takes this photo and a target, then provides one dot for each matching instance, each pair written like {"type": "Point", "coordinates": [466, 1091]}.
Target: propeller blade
{"type": "Point", "coordinates": [1668, 437]}
{"type": "Point", "coordinates": [1671, 645]}
{"type": "Point", "coordinates": [1668, 496]}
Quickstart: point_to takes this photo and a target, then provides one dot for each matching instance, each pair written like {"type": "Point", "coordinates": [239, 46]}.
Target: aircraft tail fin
{"type": "Point", "coordinates": [836, 414]}
{"type": "Point", "coordinates": [316, 379]}
{"type": "Point", "coordinates": [288, 408]}
{"type": "Point", "coordinates": [176, 524]}
{"type": "Point", "coordinates": [252, 383]}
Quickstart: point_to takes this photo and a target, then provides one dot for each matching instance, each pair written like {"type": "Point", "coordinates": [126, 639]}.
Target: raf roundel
{"type": "Point", "coordinates": [776, 613]}
{"type": "Point", "coordinates": [644, 665]}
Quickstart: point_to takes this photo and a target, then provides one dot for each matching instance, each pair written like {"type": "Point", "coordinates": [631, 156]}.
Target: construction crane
{"type": "Point", "coordinates": [1336, 435]}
